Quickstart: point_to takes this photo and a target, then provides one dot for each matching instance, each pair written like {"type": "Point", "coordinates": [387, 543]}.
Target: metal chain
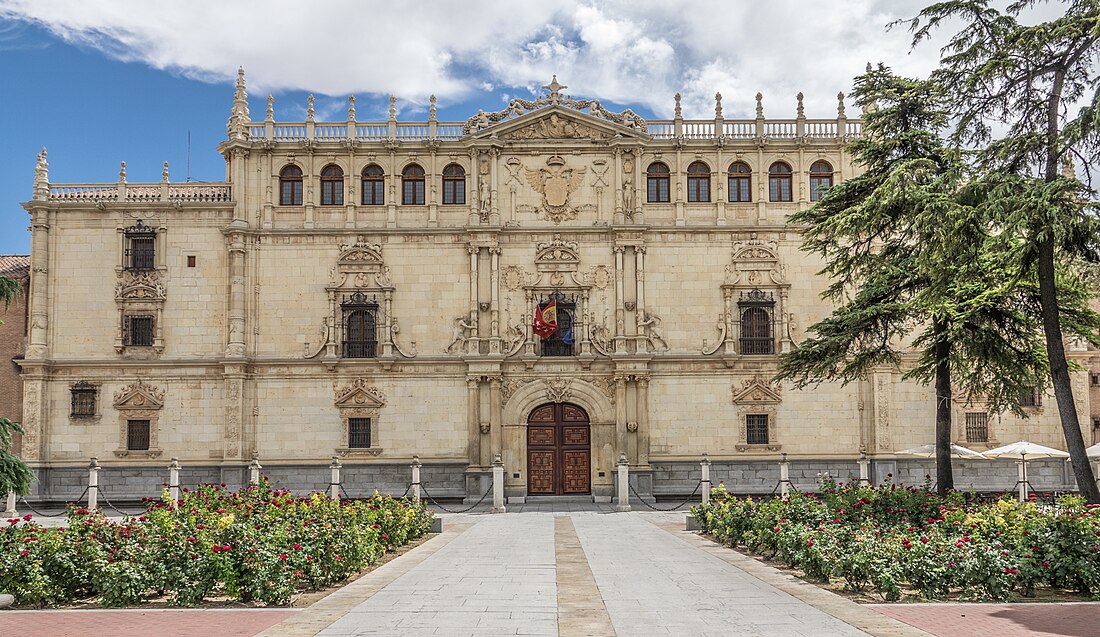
{"type": "Point", "coordinates": [483, 495]}
{"type": "Point", "coordinates": [655, 508]}
{"type": "Point", "coordinates": [51, 515]}
{"type": "Point", "coordinates": [117, 510]}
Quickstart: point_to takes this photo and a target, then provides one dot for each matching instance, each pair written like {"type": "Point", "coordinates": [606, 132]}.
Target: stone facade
{"type": "Point", "coordinates": [13, 335]}
{"type": "Point", "coordinates": [366, 290]}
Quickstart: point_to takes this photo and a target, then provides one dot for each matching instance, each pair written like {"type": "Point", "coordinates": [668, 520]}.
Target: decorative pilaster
{"type": "Point", "coordinates": [476, 451]}
{"type": "Point", "coordinates": [620, 300]}
{"type": "Point", "coordinates": [643, 419]}
{"type": "Point", "coordinates": [496, 433]}
{"type": "Point", "coordinates": [494, 286]}
{"type": "Point", "coordinates": [620, 413]}
{"type": "Point", "coordinates": [235, 345]}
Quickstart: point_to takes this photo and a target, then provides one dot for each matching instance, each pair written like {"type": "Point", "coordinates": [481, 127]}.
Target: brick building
{"type": "Point", "coordinates": [13, 339]}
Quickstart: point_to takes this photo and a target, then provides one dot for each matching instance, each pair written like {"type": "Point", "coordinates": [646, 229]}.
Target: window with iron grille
{"type": "Point", "coordinates": [360, 319]}
{"type": "Point", "coordinates": [756, 308]}
{"type": "Point", "coordinates": [373, 186]}
{"type": "Point", "coordinates": [139, 330]}
{"type": "Point", "coordinates": [562, 343]}
{"type": "Point", "coordinates": [756, 429]}
{"type": "Point", "coordinates": [454, 185]}
{"type": "Point", "coordinates": [358, 433]}
{"type": "Point", "coordinates": [140, 247]}
{"type": "Point", "coordinates": [412, 186]}
{"type": "Point", "coordinates": [1030, 397]}
{"type": "Point", "coordinates": [657, 183]}
{"type": "Point", "coordinates": [740, 181]}
{"type": "Point", "coordinates": [332, 186]}
{"type": "Point", "coordinates": [290, 186]}
{"type": "Point", "coordinates": [83, 400]}
{"type": "Point", "coordinates": [137, 435]}
{"type": "Point", "coordinates": [977, 427]}
{"type": "Point", "coordinates": [698, 182]}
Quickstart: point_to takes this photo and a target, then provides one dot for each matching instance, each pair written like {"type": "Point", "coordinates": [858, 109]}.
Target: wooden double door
{"type": "Point", "coordinates": [559, 450]}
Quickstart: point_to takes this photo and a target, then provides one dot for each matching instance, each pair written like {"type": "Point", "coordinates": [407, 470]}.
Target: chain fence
{"type": "Point", "coordinates": [657, 508]}
{"type": "Point", "coordinates": [469, 508]}
{"type": "Point", "coordinates": [63, 513]}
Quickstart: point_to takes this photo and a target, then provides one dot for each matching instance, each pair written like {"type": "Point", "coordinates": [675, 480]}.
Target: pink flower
{"type": "Point", "coordinates": [27, 517]}
{"type": "Point", "coordinates": [809, 542]}
{"type": "Point", "coordinates": [282, 556]}
{"type": "Point", "coordinates": [1046, 564]}
{"type": "Point", "coordinates": [1010, 571]}
{"type": "Point", "coordinates": [25, 553]}
{"type": "Point", "coordinates": [216, 548]}
{"type": "Point", "coordinates": [297, 547]}
{"type": "Point", "coordinates": [924, 540]}
{"type": "Point", "coordinates": [225, 548]}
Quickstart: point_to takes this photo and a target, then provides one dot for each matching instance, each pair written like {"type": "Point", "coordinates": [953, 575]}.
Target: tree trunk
{"type": "Point", "coordinates": [1052, 324]}
{"type": "Point", "coordinates": [945, 480]}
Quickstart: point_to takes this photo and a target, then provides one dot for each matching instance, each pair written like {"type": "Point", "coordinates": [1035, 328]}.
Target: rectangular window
{"type": "Point", "coordinates": [818, 185]}
{"type": "Point", "coordinates": [1030, 397]}
{"type": "Point", "coordinates": [977, 427]}
{"type": "Point", "coordinates": [658, 190]}
{"type": "Point", "coordinates": [291, 193]}
{"type": "Point", "coordinates": [358, 433]}
{"type": "Point", "coordinates": [83, 400]}
{"type": "Point", "coordinates": [698, 189]}
{"type": "Point", "coordinates": [739, 189]}
{"type": "Point", "coordinates": [756, 429]}
{"type": "Point", "coordinates": [191, 260]}
{"type": "Point", "coordinates": [139, 330]}
{"type": "Point", "coordinates": [413, 194]}
{"type": "Point", "coordinates": [142, 252]}
{"type": "Point", "coordinates": [332, 192]}
{"type": "Point", "coordinates": [137, 435]}
{"type": "Point", "coordinates": [372, 193]}
{"type": "Point", "coordinates": [780, 188]}
{"type": "Point", "coordinates": [561, 343]}
{"type": "Point", "coordinates": [454, 192]}
{"type": "Point", "coordinates": [1095, 379]}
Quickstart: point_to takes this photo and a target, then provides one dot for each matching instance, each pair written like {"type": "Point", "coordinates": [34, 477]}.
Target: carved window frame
{"type": "Point", "coordinates": [84, 388]}
{"type": "Point", "coordinates": [359, 399]}
{"type": "Point", "coordinates": [354, 304]}
{"type": "Point", "coordinates": [756, 301]}
{"type": "Point", "coordinates": [757, 396]}
{"type": "Point", "coordinates": [139, 401]}
{"type": "Point", "coordinates": [140, 252]}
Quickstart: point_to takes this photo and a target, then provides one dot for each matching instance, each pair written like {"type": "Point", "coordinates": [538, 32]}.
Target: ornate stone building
{"type": "Point", "coordinates": [366, 290]}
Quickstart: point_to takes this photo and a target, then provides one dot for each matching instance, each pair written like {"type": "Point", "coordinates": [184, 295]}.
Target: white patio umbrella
{"type": "Point", "coordinates": [1093, 452]}
{"type": "Point", "coordinates": [929, 451]}
{"type": "Point", "coordinates": [1023, 451]}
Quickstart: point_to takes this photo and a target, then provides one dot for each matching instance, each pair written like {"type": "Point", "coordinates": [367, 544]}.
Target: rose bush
{"type": "Point", "coordinates": [256, 545]}
{"type": "Point", "coordinates": [890, 538]}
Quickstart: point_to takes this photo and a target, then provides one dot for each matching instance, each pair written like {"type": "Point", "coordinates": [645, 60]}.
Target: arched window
{"type": "Point", "coordinates": [821, 177]}
{"type": "Point", "coordinates": [755, 308]}
{"type": "Point", "coordinates": [373, 186]}
{"type": "Point", "coordinates": [290, 186]}
{"type": "Point", "coordinates": [740, 182]}
{"type": "Point", "coordinates": [779, 182]}
{"type": "Point", "coordinates": [657, 183]}
{"type": "Point", "coordinates": [454, 185]}
{"type": "Point", "coordinates": [412, 185]}
{"type": "Point", "coordinates": [698, 182]}
{"type": "Point", "coordinates": [332, 186]}
{"type": "Point", "coordinates": [360, 316]}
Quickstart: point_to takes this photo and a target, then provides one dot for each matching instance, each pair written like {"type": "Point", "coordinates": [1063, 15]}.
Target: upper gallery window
{"type": "Point", "coordinates": [140, 247]}
{"type": "Point", "coordinates": [657, 183]}
{"type": "Point", "coordinates": [412, 185]}
{"type": "Point", "coordinates": [740, 182]}
{"type": "Point", "coordinates": [821, 178]}
{"type": "Point", "coordinates": [698, 182]}
{"type": "Point", "coordinates": [290, 186]}
{"type": "Point", "coordinates": [373, 185]}
{"type": "Point", "coordinates": [454, 185]}
{"type": "Point", "coordinates": [332, 186]}
{"type": "Point", "coordinates": [779, 182]}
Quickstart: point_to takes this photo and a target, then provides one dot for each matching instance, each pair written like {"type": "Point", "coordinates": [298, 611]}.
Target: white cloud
{"type": "Point", "coordinates": [617, 50]}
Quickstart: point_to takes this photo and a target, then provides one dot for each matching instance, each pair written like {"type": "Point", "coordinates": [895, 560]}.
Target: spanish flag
{"type": "Point", "coordinates": [546, 320]}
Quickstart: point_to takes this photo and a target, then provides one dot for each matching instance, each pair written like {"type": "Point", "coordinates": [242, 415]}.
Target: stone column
{"type": "Point", "coordinates": [494, 286]}
{"type": "Point", "coordinates": [308, 182]}
{"type": "Point", "coordinates": [639, 283]}
{"type": "Point", "coordinates": [93, 485]}
{"type": "Point", "coordinates": [432, 191]}
{"type": "Point", "coordinates": [620, 413]}
{"type": "Point", "coordinates": [623, 506]}
{"type": "Point", "coordinates": [642, 385]}
{"type": "Point", "coordinates": [704, 477]}
{"type": "Point", "coordinates": [387, 324]}
{"type": "Point", "coordinates": [494, 210]}
{"type": "Point", "coordinates": [240, 174]}
{"type": "Point", "coordinates": [39, 285]}
{"type": "Point", "coordinates": [619, 210]}
{"type": "Point", "coordinates": [392, 194]}
{"type": "Point", "coordinates": [497, 435]}
{"type": "Point", "coordinates": [678, 184]}
{"type": "Point", "coordinates": [498, 485]}
{"type": "Point", "coordinates": [620, 310]}
{"type": "Point", "coordinates": [174, 483]}
{"type": "Point", "coordinates": [235, 346]}
{"type": "Point", "coordinates": [472, 342]}
{"type": "Point", "coordinates": [473, 418]}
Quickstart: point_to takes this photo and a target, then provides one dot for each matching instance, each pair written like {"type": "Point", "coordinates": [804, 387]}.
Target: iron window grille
{"type": "Point", "coordinates": [756, 429]}
{"type": "Point", "coordinates": [358, 433]}
{"type": "Point", "coordinates": [1030, 397]}
{"type": "Point", "coordinates": [373, 186]}
{"type": "Point", "coordinates": [657, 183]}
{"type": "Point", "coordinates": [290, 186]}
{"type": "Point", "coordinates": [740, 182]}
{"type": "Point", "coordinates": [139, 330]}
{"type": "Point", "coordinates": [332, 186]}
{"type": "Point", "coordinates": [756, 309]}
{"type": "Point", "coordinates": [977, 427]}
{"type": "Point", "coordinates": [563, 341]}
{"type": "Point", "coordinates": [360, 319]}
{"type": "Point", "coordinates": [140, 247]}
{"type": "Point", "coordinates": [137, 435]}
{"type": "Point", "coordinates": [83, 400]}
{"type": "Point", "coordinates": [698, 182]}
{"type": "Point", "coordinates": [454, 185]}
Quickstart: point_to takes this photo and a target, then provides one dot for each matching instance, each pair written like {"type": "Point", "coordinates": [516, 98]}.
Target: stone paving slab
{"type": "Point", "coordinates": [1079, 619]}
{"type": "Point", "coordinates": [140, 622]}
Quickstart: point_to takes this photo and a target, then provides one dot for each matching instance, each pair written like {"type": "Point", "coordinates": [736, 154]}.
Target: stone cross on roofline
{"type": "Point", "coordinates": [555, 89]}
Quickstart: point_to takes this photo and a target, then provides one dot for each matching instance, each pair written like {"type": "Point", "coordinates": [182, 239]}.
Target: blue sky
{"type": "Point", "coordinates": [101, 82]}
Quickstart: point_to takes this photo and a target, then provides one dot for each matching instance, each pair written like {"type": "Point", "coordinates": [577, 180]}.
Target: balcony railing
{"type": "Point", "coordinates": [198, 192]}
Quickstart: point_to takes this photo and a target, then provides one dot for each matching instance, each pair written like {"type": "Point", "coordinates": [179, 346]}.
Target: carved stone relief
{"type": "Point", "coordinates": [555, 183]}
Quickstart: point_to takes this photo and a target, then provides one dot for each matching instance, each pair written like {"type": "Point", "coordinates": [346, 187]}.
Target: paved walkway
{"type": "Point", "coordinates": [571, 574]}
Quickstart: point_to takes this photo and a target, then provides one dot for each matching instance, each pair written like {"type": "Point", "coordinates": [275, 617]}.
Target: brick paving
{"type": "Point", "coordinates": [999, 620]}
{"type": "Point", "coordinates": [140, 623]}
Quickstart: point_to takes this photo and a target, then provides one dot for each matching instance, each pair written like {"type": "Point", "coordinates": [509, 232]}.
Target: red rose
{"type": "Point", "coordinates": [25, 553]}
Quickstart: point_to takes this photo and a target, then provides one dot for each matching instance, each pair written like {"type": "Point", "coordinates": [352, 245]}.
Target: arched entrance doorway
{"type": "Point", "coordinates": [559, 452]}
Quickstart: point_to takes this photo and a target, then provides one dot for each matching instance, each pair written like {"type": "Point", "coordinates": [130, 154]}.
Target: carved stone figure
{"type": "Point", "coordinates": [462, 331]}
{"type": "Point", "coordinates": [484, 198]}
{"type": "Point", "coordinates": [652, 323]}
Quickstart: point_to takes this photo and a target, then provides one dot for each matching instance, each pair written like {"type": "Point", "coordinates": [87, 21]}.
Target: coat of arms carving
{"type": "Point", "coordinates": [555, 183]}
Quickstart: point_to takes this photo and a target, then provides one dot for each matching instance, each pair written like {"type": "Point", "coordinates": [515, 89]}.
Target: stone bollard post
{"type": "Point", "coordinates": [416, 478]}
{"type": "Point", "coordinates": [254, 470]}
{"type": "Point", "coordinates": [174, 483]}
{"type": "Point", "coordinates": [93, 485]}
{"type": "Point", "coordinates": [864, 469]}
{"type": "Point", "coordinates": [498, 485]}
{"type": "Point", "coordinates": [705, 478]}
{"type": "Point", "coordinates": [1021, 474]}
{"type": "Point", "coordinates": [10, 510]}
{"type": "Point", "coordinates": [784, 476]}
{"type": "Point", "coordinates": [624, 485]}
{"type": "Point", "coordinates": [334, 482]}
